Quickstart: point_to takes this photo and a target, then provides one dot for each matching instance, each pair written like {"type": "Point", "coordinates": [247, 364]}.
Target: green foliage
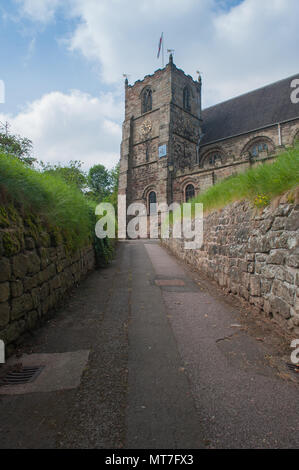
{"type": "Point", "coordinates": [260, 184]}
{"type": "Point", "coordinates": [99, 181]}
{"type": "Point", "coordinates": [103, 184]}
{"type": "Point", "coordinates": [113, 195]}
{"type": "Point", "coordinates": [71, 173]}
{"type": "Point", "coordinates": [104, 250]}
{"type": "Point", "coordinates": [19, 147]}
{"type": "Point", "coordinates": [63, 206]}
{"type": "Point", "coordinates": [12, 242]}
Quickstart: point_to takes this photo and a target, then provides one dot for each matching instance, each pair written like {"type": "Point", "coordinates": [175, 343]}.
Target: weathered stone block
{"type": "Point", "coordinates": [251, 267]}
{"type": "Point", "coordinates": [44, 257]}
{"type": "Point", "coordinates": [277, 257]}
{"type": "Point", "coordinates": [293, 259]}
{"type": "Point", "coordinates": [31, 282]}
{"type": "Point", "coordinates": [29, 243]}
{"type": "Point", "coordinates": [279, 223]}
{"type": "Point", "coordinates": [293, 221]}
{"type": "Point", "coordinates": [55, 283]}
{"type": "Point", "coordinates": [258, 244]}
{"type": "Point", "coordinates": [4, 291]}
{"type": "Point", "coordinates": [10, 333]}
{"type": "Point", "coordinates": [265, 286]}
{"type": "Point", "coordinates": [16, 288]}
{"type": "Point", "coordinates": [244, 292]}
{"type": "Point", "coordinates": [20, 306]}
{"type": "Point", "coordinates": [20, 265]}
{"type": "Point", "coordinates": [32, 319]}
{"type": "Point", "coordinates": [5, 270]}
{"type": "Point", "coordinates": [4, 314]}
{"type": "Point", "coordinates": [273, 271]}
{"type": "Point", "coordinates": [44, 292]}
{"type": "Point", "coordinates": [293, 240]}
{"type": "Point", "coordinates": [255, 286]}
{"type": "Point", "coordinates": [284, 290]}
{"type": "Point", "coordinates": [278, 240]}
{"type": "Point", "coordinates": [33, 263]}
{"type": "Point", "coordinates": [280, 307]}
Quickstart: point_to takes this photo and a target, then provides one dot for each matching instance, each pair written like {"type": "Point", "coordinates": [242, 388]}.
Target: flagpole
{"type": "Point", "coordinates": [162, 50]}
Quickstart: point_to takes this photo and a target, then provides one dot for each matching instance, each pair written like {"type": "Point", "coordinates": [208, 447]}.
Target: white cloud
{"type": "Point", "coordinates": [39, 10]}
{"type": "Point", "coordinates": [74, 126]}
{"type": "Point", "coordinates": [123, 36]}
{"type": "Point", "coordinates": [237, 49]}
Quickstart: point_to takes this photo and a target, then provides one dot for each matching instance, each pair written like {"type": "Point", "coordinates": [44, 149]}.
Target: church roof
{"type": "Point", "coordinates": [255, 110]}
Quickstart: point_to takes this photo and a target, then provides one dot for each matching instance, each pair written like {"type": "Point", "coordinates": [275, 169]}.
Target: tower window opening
{"type": "Point", "coordinates": [147, 100]}
{"type": "Point", "coordinates": [186, 99]}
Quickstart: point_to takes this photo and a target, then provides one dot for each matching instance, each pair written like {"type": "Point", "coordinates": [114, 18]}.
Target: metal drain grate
{"type": "Point", "coordinates": [294, 367]}
{"type": "Point", "coordinates": [170, 282]}
{"type": "Point", "coordinates": [22, 375]}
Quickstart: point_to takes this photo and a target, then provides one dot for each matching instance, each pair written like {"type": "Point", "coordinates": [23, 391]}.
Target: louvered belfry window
{"type": "Point", "coordinates": [186, 99]}
{"type": "Point", "coordinates": [147, 100]}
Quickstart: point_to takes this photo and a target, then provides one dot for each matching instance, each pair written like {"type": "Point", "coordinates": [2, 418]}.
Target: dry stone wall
{"type": "Point", "coordinates": [253, 255]}
{"type": "Point", "coordinates": [37, 268]}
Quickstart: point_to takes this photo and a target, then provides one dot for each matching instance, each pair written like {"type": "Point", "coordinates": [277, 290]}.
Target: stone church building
{"type": "Point", "coordinates": [172, 149]}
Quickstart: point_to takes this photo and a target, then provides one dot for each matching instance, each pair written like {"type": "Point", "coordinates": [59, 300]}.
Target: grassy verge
{"type": "Point", "coordinates": [60, 205]}
{"type": "Point", "coordinates": [259, 185]}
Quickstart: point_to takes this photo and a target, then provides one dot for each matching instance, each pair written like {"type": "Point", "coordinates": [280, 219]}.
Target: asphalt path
{"type": "Point", "coordinates": [171, 365]}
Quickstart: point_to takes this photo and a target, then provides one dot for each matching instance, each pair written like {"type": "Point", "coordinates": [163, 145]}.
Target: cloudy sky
{"type": "Point", "coordinates": [62, 61]}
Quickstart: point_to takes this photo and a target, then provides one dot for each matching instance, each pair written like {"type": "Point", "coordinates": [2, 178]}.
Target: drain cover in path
{"type": "Point", "coordinates": [169, 282]}
{"type": "Point", "coordinates": [58, 371]}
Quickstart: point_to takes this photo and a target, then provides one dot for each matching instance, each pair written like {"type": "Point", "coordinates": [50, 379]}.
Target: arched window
{"type": "Point", "coordinates": [215, 158]}
{"type": "Point", "coordinates": [186, 98]}
{"type": "Point", "coordinates": [189, 192]}
{"type": "Point", "coordinates": [258, 147]}
{"type": "Point", "coordinates": [152, 199]}
{"type": "Point", "coordinates": [147, 100]}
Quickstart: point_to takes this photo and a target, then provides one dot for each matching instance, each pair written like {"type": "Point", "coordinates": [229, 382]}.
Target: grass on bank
{"type": "Point", "coordinates": [61, 205]}
{"type": "Point", "coordinates": [259, 185]}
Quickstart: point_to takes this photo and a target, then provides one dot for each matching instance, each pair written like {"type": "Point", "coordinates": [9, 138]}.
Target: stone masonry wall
{"type": "Point", "coordinates": [36, 270]}
{"type": "Point", "coordinates": [253, 255]}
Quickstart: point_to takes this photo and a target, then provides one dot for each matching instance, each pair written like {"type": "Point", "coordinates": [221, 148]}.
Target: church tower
{"type": "Point", "coordinates": [161, 133]}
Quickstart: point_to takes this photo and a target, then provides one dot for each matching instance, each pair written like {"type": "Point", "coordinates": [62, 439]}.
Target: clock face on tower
{"type": "Point", "coordinates": [146, 128]}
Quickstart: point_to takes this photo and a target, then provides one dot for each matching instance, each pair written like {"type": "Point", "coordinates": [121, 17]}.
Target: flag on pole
{"type": "Point", "coordinates": [160, 45]}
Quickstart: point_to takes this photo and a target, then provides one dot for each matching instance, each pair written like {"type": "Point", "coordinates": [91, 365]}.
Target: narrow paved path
{"type": "Point", "coordinates": [170, 366]}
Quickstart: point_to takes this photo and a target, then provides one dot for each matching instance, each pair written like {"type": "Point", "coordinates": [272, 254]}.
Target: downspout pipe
{"type": "Point", "coordinates": [279, 135]}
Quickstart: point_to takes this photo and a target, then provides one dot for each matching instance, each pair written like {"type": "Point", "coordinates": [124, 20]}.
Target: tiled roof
{"type": "Point", "coordinates": [258, 109]}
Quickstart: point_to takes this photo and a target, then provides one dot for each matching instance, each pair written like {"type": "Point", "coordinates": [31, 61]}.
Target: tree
{"type": "Point", "coordinates": [100, 181]}
{"type": "Point", "coordinates": [71, 173]}
{"type": "Point", "coordinates": [19, 147]}
{"type": "Point", "coordinates": [114, 177]}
